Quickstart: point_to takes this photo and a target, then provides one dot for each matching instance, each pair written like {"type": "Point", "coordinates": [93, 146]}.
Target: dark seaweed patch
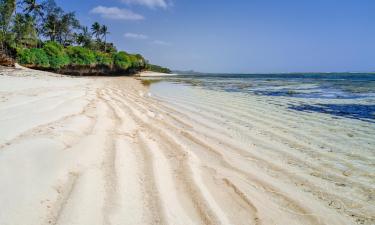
{"type": "Point", "coordinates": [352, 111]}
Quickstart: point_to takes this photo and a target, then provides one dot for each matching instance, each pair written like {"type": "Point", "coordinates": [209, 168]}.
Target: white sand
{"type": "Point", "coordinates": [100, 151]}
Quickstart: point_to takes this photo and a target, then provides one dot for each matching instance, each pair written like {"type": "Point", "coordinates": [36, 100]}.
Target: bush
{"type": "Point", "coordinates": [56, 55]}
{"type": "Point", "coordinates": [80, 55]}
{"type": "Point", "coordinates": [40, 57]}
{"type": "Point", "coordinates": [137, 61]}
{"type": "Point", "coordinates": [158, 69]}
{"type": "Point", "coordinates": [103, 58]}
{"type": "Point", "coordinates": [122, 60]}
{"type": "Point", "coordinates": [25, 56]}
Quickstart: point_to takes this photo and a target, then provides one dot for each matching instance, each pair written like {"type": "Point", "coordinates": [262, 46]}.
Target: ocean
{"type": "Point", "coordinates": [318, 127]}
{"type": "Point", "coordinates": [338, 94]}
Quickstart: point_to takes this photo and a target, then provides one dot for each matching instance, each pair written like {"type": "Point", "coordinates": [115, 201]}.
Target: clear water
{"type": "Point", "coordinates": [349, 95]}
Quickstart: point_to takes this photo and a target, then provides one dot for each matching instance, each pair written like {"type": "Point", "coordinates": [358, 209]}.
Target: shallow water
{"type": "Point", "coordinates": [319, 127]}
{"type": "Point", "coordinates": [342, 95]}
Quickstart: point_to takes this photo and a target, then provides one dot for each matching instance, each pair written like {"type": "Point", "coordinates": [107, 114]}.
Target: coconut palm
{"type": "Point", "coordinates": [50, 26]}
{"type": "Point", "coordinates": [104, 31]}
{"type": "Point", "coordinates": [67, 25]}
{"type": "Point", "coordinates": [84, 38]}
{"type": "Point", "coordinates": [7, 9]}
{"type": "Point", "coordinates": [96, 30]}
{"type": "Point", "coordinates": [32, 7]}
{"type": "Point", "coordinates": [24, 30]}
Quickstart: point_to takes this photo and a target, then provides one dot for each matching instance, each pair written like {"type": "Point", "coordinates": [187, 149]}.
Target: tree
{"type": "Point", "coordinates": [7, 8]}
{"type": "Point", "coordinates": [104, 31]}
{"type": "Point", "coordinates": [50, 26]}
{"type": "Point", "coordinates": [24, 31]}
{"type": "Point", "coordinates": [96, 30]}
{"type": "Point", "coordinates": [66, 29]}
{"type": "Point", "coordinates": [31, 7]}
{"type": "Point", "coordinates": [58, 25]}
{"type": "Point", "coordinates": [84, 38]}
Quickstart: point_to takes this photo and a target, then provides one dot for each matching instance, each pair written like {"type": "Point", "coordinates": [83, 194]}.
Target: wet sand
{"type": "Point", "coordinates": [106, 151]}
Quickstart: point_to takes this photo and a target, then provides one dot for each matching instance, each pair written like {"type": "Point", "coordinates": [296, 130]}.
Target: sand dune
{"type": "Point", "coordinates": [102, 151]}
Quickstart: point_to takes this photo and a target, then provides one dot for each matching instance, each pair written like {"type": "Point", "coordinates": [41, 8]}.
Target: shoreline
{"type": "Point", "coordinates": [100, 150]}
{"type": "Point", "coordinates": [153, 74]}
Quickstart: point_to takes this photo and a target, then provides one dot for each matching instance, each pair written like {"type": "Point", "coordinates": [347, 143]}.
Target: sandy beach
{"type": "Point", "coordinates": [79, 151]}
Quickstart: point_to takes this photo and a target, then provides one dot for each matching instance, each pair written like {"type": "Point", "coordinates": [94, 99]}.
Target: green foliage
{"type": "Point", "coordinates": [7, 8]}
{"type": "Point", "coordinates": [158, 69]}
{"type": "Point", "coordinates": [137, 61]}
{"type": "Point", "coordinates": [25, 57]}
{"type": "Point", "coordinates": [103, 58]}
{"type": "Point", "coordinates": [41, 58]}
{"type": "Point", "coordinates": [24, 31]}
{"type": "Point", "coordinates": [58, 25]}
{"type": "Point", "coordinates": [80, 55]}
{"type": "Point", "coordinates": [56, 55]}
{"type": "Point", "coordinates": [22, 35]}
{"type": "Point", "coordinates": [122, 60]}
{"type": "Point", "coordinates": [34, 57]}
{"type": "Point", "coordinates": [96, 30]}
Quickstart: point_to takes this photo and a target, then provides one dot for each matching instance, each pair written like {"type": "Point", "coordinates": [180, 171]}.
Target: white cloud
{"type": "Point", "coordinates": [136, 36]}
{"type": "Point", "coordinates": [158, 42]}
{"type": "Point", "coordinates": [116, 13]}
{"type": "Point", "coordinates": [150, 3]}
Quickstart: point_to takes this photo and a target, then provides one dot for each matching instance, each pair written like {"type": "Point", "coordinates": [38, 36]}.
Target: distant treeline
{"type": "Point", "coordinates": [157, 68]}
{"type": "Point", "coordinates": [42, 35]}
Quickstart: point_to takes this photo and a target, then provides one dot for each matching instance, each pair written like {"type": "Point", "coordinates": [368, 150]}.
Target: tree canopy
{"type": "Point", "coordinates": [45, 36]}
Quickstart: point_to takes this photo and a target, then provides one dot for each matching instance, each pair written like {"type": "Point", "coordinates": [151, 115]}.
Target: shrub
{"type": "Point", "coordinates": [80, 55]}
{"type": "Point", "coordinates": [137, 61]}
{"type": "Point", "coordinates": [158, 69]}
{"type": "Point", "coordinates": [122, 60]}
{"type": "Point", "coordinates": [56, 55]}
{"type": "Point", "coordinates": [40, 57]}
{"type": "Point", "coordinates": [103, 58]}
{"type": "Point", "coordinates": [25, 56]}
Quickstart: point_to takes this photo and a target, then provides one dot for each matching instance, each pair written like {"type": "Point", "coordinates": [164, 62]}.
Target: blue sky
{"type": "Point", "coordinates": [242, 36]}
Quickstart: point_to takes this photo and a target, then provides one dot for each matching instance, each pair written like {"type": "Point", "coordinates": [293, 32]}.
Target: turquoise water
{"type": "Point", "coordinates": [349, 95]}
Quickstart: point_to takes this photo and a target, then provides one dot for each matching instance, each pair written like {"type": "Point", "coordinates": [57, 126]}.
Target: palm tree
{"type": "Point", "coordinates": [7, 9]}
{"type": "Point", "coordinates": [80, 39]}
{"type": "Point", "coordinates": [84, 38]}
{"type": "Point", "coordinates": [24, 30]}
{"type": "Point", "coordinates": [50, 26]}
{"type": "Point", "coordinates": [31, 6]}
{"type": "Point", "coordinates": [96, 30]}
{"type": "Point", "coordinates": [104, 31]}
{"type": "Point", "coordinates": [35, 9]}
{"type": "Point", "coordinates": [67, 25]}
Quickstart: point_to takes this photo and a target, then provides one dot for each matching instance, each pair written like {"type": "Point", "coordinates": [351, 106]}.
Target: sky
{"type": "Point", "coordinates": [240, 36]}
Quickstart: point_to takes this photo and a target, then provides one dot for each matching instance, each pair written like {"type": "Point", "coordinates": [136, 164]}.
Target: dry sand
{"type": "Point", "coordinates": [101, 151]}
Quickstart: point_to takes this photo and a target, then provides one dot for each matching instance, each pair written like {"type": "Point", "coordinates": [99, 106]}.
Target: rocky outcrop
{"type": "Point", "coordinates": [6, 60]}
{"type": "Point", "coordinates": [97, 70]}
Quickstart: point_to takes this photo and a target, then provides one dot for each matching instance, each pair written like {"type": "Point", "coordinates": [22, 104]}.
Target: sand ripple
{"type": "Point", "coordinates": [101, 151]}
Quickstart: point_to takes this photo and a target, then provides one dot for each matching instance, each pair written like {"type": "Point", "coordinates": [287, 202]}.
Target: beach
{"type": "Point", "coordinates": [110, 150]}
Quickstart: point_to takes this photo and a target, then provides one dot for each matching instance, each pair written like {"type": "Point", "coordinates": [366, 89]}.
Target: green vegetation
{"type": "Point", "coordinates": [44, 36]}
{"type": "Point", "coordinates": [158, 69]}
